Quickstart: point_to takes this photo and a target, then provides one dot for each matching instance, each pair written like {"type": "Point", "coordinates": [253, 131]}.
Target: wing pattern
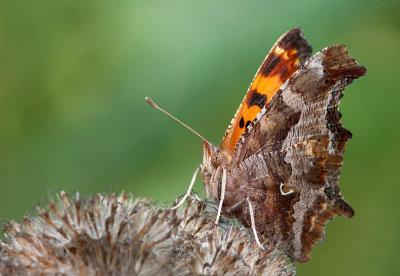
{"type": "Point", "coordinates": [298, 140]}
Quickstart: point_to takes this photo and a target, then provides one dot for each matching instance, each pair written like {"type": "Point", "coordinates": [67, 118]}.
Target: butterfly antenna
{"type": "Point", "coordinates": [150, 101]}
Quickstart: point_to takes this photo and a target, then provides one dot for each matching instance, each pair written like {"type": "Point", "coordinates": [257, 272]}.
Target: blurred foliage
{"type": "Point", "coordinates": [74, 75]}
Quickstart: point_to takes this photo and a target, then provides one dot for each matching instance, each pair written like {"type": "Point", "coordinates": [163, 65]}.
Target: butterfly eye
{"type": "Point", "coordinates": [206, 176]}
{"type": "Point", "coordinates": [216, 159]}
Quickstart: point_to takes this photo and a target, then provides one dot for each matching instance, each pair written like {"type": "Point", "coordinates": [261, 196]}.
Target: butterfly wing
{"type": "Point", "coordinates": [297, 140]}
{"type": "Point", "coordinates": [287, 55]}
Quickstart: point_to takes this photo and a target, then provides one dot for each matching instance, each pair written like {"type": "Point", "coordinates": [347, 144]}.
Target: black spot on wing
{"type": "Point", "coordinates": [257, 99]}
{"type": "Point", "coordinates": [271, 64]}
{"type": "Point", "coordinates": [241, 123]}
{"type": "Point", "coordinates": [248, 123]}
{"type": "Point", "coordinates": [328, 192]}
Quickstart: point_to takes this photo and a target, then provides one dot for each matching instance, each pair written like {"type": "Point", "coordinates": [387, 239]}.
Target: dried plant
{"type": "Point", "coordinates": [124, 235]}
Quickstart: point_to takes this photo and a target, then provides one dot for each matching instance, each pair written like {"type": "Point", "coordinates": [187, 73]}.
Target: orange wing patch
{"type": "Point", "coordinates": [288, 54]}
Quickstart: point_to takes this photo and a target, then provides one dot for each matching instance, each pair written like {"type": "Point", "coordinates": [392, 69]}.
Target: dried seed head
{"type": "Point", "coordinates": [106, 234]}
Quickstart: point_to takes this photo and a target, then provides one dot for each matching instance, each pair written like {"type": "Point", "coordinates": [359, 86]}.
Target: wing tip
{"type": "Point", "coordinates": [337, 60]}
{"type": "Point", "coordinates": [295, 39]}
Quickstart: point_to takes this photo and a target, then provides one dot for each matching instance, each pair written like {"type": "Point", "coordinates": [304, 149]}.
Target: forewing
{"type": "Point", "coordinates": [287, 55]}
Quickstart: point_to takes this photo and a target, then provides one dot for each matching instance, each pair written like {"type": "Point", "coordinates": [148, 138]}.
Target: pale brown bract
{"type": "Point", "coordinates": [287, 162]}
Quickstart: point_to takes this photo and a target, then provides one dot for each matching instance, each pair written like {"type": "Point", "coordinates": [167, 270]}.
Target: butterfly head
{"type": "Point", "coordinates": [214, 159]}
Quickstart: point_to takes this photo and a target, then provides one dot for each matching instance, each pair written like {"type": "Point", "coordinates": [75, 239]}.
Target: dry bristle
{"type": "Point", "coordinates": [110, 235]}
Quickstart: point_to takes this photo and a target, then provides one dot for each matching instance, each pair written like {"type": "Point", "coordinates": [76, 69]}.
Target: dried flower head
{"type": "Point", "coordinates": [124, 235]}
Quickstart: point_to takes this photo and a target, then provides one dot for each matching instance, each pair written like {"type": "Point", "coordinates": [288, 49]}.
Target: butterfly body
{"type": "Point", "coordinates": [283, 149]}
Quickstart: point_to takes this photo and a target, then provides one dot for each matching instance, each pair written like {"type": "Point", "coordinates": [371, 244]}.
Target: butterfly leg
{"type": "Point", "coordinates": [285, 193]}
{"type": "Point", "coordinates": [237, 205]}
{"type": "Point", "coordinates": [253, 225]}
{"type": "Point", "coordinates": [189, 189]}
{"type": "Point", "coordinates": [222, 195]}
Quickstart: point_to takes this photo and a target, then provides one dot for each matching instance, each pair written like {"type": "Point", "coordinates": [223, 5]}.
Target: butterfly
{"type": "Point", "coordinates": [278, 166]}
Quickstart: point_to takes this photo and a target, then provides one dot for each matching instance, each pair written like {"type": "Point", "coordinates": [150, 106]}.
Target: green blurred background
{"type": "Point", "coordinates": [74, 74]}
